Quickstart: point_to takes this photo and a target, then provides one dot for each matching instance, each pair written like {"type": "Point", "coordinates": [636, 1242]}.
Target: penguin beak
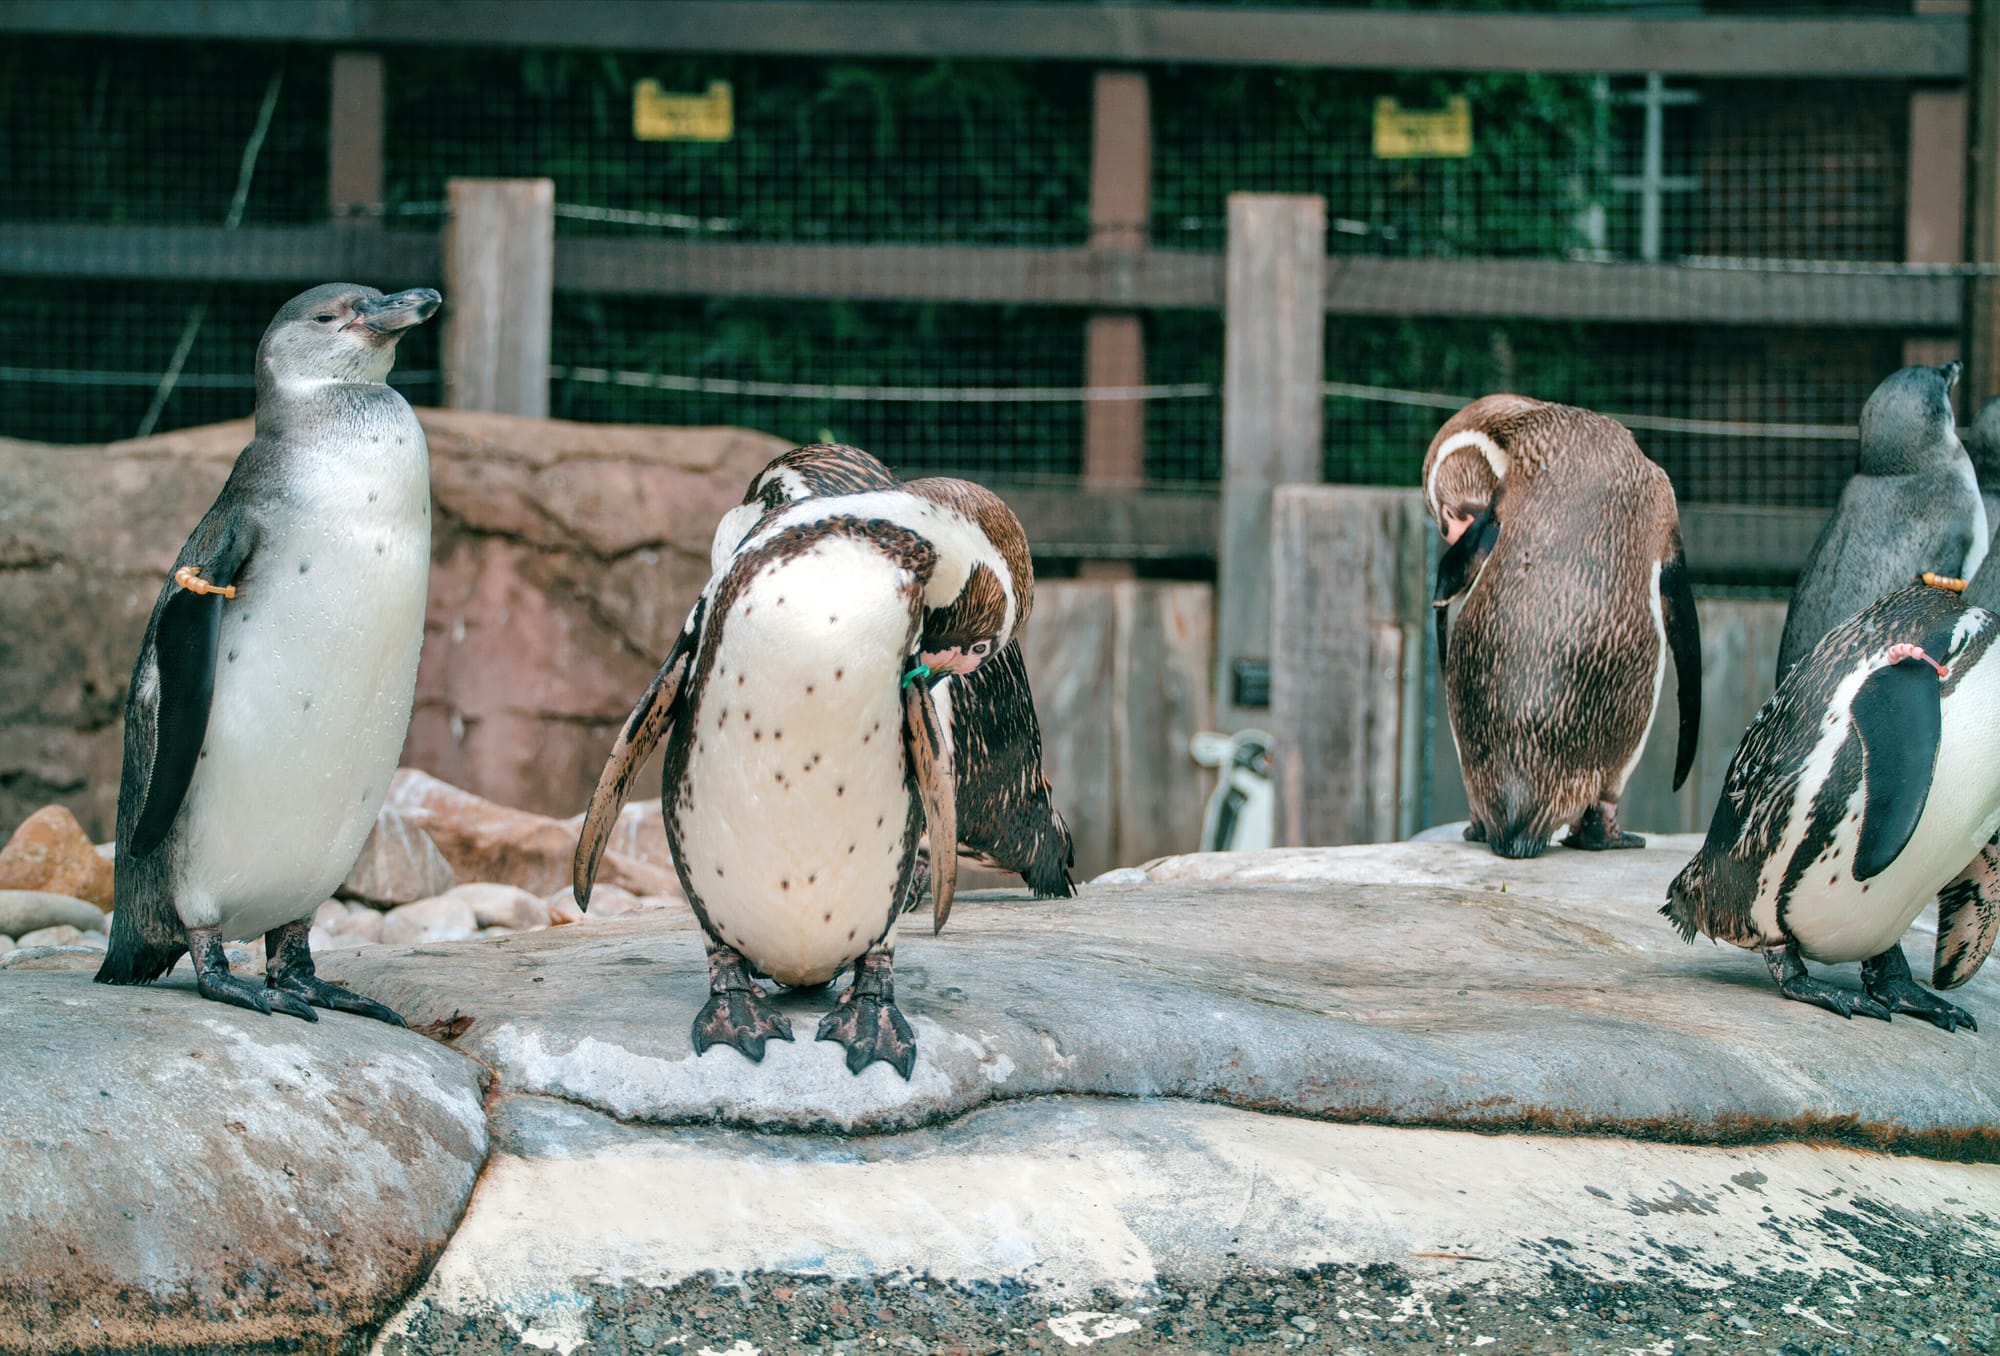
{"type": "Point", "coordinates": [1951, 371]}
{"type": "Point", "coordinates": [396, 312]}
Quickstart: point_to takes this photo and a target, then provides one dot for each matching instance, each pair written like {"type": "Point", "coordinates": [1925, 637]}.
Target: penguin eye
{"type": "Point", "coordinates": [981, 648]}
{"type": "Point", "coordinates": [326, 319]}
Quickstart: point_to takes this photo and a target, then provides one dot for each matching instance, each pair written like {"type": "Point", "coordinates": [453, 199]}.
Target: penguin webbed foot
{"type": "Point", "coordinates": [1475, 832]}
{"type": "Point", "coordinates": [1598, 831]}
{"type": "Point", "coordinates": [289, 971]}
{"type": "Point", "coordinates": [1888, 981]}
{"type": "Point", "coordinates": [867, 1022]}
{"type": "Point", "coordinates": [1788, 967]}
{"type": "Point", "coordinates": [213, 981]}
{"type": "Point", "coordinates": [738, 1014]}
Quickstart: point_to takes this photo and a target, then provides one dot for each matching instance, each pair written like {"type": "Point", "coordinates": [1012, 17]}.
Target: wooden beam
{"type": "Point", "coordinates": [354, 149]}
{"type": "Point", "coordinates": [1636, 294]}
{"type": "Point", "coordinates": [1982, 215]}
{"type": "Point", "coordinates": [1919, 47]}
{"type": "Point", "coordinates": [1273, 371]}
{"type": "Point", "coordinates": [1121, 207]}
{"type": "Point", "coordinates": [499, 295]}
{"type": "Point", "coordinates": [1091, 524]}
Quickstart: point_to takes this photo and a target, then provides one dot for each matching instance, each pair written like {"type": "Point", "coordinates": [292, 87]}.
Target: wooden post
{"type": "Point", "coordinates": [1350, 622]}
{"type": "Point", "coordinates": [1273, 372]}
{"type": "Point", "coordinates": [499, 295]}
{"type": "Point", "coordinates": [1121, 195]}
{"type": "Point", "coordinates": [1982, 211]}
{"type": "Point", "coordinates": [354, 150]}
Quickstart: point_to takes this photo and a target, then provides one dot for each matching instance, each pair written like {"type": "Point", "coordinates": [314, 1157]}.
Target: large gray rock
{"type": "Point", "coordinates": [1430, 984]}
{"type": "Point", "coordinates": [27, 910]}
{"type": "Point", "coordinates": [181, 1175]}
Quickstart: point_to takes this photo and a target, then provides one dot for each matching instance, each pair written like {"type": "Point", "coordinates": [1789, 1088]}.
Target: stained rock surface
{"type": "Point", "coordinates": [51, 852]}
{"type": "Point", "coordinates": [1420, 983]}
{"type": "Point", "coordinates": [181, 1175]}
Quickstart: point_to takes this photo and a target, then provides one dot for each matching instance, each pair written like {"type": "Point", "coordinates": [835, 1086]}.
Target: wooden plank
{"type": "Point", "coordinates": [1923, 47]}
{"type": "Point", "coordinates": [1121, 197]}
{"type": "Point", "coordinates": [1160, 684]}
{"type": "Point", "coordinates": [500, 295]}
{"type": "Point", "coordinates": [214, 254]}
{"type": "Point", "coordinates": [1348, 587]}
{"type": "Point", "coordinates": [1742, 544]}
{"type": "Point", "coordinates": [1935, 229]}
{"type": "Point", "coordinates": [1085, 524]}
{"type": "Point", "coordinates": [1982, 211]}
{"type": "Point", "coordinates": [354, 151]}
{"type": "Point", "coordinates": [970, 273]}
{"type": "Point", "coordinates": [1070, 648]}
{"type": "Point", "coordinates": [1272, 410]}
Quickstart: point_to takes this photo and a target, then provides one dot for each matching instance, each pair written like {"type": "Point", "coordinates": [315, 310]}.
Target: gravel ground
{"type": "Point", "coordinates": [1944, 1304]}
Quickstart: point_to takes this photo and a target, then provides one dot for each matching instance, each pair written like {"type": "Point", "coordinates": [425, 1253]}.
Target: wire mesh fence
{"type": "Point", "coordinates": [1735, 187]}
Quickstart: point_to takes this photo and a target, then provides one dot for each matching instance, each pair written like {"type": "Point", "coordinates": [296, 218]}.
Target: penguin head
{"type": "Point", "coordinates": [339, 332]}
{"type": "Point", "coordinates": [1907, 424]}
{"type": "Point", "coordinates": [999, 590]}
{"type": "Point", "coordinates": [1468, 456]}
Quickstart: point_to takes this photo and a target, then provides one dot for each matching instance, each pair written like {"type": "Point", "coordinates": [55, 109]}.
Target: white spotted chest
{"type": "Point", "coordinates": [796, 800]}
{"type": "Point", "coordinates": [314, 681]}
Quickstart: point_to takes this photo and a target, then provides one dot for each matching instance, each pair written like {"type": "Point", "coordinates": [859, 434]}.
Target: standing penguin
{"type": "Point", "coordinates": [273, 690]}
{"type": "Point", "coordinates": [1869, 782]}
{"type": "Point", "coordinates": [1982, 444]}
{"type": "Point", "coordinates": [1911, 507]}
{"type": "Point", "coordinates": [1006, 818]}
{"type": "Point", "coordinates": [805, 758]}
{"type": "Point", "coordinates": [1574, 590]}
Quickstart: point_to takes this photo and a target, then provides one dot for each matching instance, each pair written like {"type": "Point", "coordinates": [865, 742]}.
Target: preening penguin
{"type": "Point", "coordinates": [1465, 464]}
{"type": "Point", "coordinates": [1867, 784]}
{"type": "Point", "coordinates": [1911, 507]}
{"type": "Point", "coordinates": [1574, 591]}
{"type": "Point", "coordinates": [1006, 817]}
{"type": "Point", "coordinates": [805, 756]}
{"type": "Point", "coordinates": [272, 693]}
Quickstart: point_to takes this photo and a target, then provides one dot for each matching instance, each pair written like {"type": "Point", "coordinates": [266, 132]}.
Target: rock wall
{"type": "Point", "coordinates": [565, 557]}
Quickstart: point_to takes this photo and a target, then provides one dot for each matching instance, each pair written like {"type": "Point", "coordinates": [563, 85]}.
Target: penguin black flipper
{"type": "Point", "coordinates": [1683, 627]}
{"type": "Point", "coordinates": [929, 752]}
{"type": "Point", "coordinates": [183, 645]}
{"type": "Point", "coordinates": [649, 722]}
{"type": "Point", "coordinates": [1005, 818]}
{"type": "Point", "coordinates": [1899, 714]}
{"type": "Point", "coordinates": [1968, 919]}
{"type": "Point", "coordinates": [1459, 567]}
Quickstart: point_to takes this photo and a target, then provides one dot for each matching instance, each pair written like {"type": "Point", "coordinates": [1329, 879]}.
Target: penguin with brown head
{"type": "Point", "coordinates": [1565, 560]}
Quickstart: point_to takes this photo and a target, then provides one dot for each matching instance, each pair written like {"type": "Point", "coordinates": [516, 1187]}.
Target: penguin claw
{"type": "Point", "coordinates": [872, 1029]}
{"type": "Point", "coordinates": [1806, 989]}
{"type": "Point", "coordinates": [1598, 831]}
{"type": "Point", "coordinates": [224, 987]}
{"type": "Point", "coordinates": [1889, 983]}
{"type": "Point", "coordinates": [317, 993]}
{"type": "Point", "coordinates": [742, 1019]}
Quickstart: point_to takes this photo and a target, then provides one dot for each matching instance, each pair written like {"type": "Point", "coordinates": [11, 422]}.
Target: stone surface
{"type": "Point", "coordinates": [1073, 1207]}
{"type": "Point", "coordinates": [399, 864]}
{"type": "Point", "coordinates": [51, 852]}
{"type": "Point", "coordinates": [1424, 984]}
{"type": "Point", "coordinates": [503, 906]}
{"type": "Point", "coordinates": [6, 943]}
{"type": "Point", "coordinates": [26, 910]}
{"type": "Point", "coordinates": [488, 842]}
{"type": "Point", "coordinates": [212, 1179]}
{"type": "Point", "coordinates": [62, 934]}
{"type": "Point", "coordinates": [348, 922]}
{"type": "Point", "coordinates": [447, 918]}
{"type": "Point", "coordinates": [564, 559]}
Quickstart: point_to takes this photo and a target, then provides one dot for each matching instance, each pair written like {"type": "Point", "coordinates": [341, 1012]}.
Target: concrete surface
{"type": "Point", "coordinates": [1429, 984]}
{"type": "Point", "coordinates": [180, 1175]}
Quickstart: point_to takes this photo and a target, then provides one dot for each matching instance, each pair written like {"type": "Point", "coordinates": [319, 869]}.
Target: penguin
{"type": "Point", "coordinates": [1463, 466]}
{"type": "Point", "coordinates": [1982, 444]}
{"type": "Point", "coordinates": [1007, 820]}
{"type": "Point", "coordinates": [804, 754]}
{"type": "Point", "coordinates": [1574, 589]}
{"type": "Point", "coordinates": [1912, 506]}
{"type": "Point", "coordinates": [273, 689]}
{"type": "Point", "coordinates": [1867, 784]}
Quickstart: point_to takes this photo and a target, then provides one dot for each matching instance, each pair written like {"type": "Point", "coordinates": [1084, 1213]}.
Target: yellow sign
{"type": "Point", "coordinates": [1423, 134]}
{"type": "Point", "coordinates": [660, 116]}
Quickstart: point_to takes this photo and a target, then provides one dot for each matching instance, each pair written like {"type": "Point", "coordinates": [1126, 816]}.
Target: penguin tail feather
{"type": "Point", "coordinates": [131, 959]}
